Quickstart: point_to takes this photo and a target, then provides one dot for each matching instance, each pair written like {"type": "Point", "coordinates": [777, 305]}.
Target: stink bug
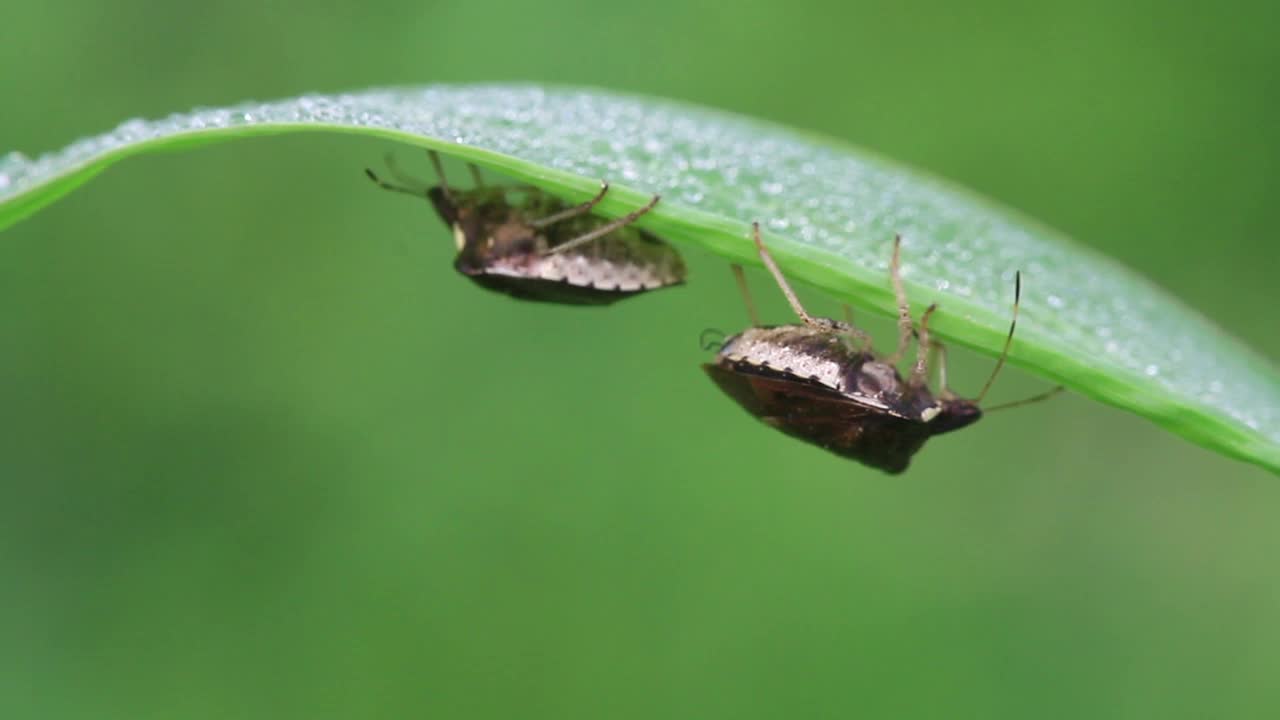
{"type": "Point", "coordinates": [520, 241]}
{"type": "Point", "coordinates": [820, 380]}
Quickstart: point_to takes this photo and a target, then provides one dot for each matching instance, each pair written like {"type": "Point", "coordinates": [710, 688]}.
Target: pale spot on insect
{"type": "Point", "coordinates": [459, 237]}
{"type": "Point", "coordinates": [930, 413]}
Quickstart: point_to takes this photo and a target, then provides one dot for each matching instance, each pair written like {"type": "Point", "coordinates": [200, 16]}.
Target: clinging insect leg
{"type": "Point", "coordinates": [476, 177]}
{"type": "Point", "coordinates": [607, 228]}
{"type": "Point", "coordinates": [575, 211]}
{"type": "Point", "coordinates": [741, 277]}
{"type": "Point", "coordinates": [439, 166]}
{"type": "Point", "coordinates": [905, 329]}
{"type": "Point", "coordinates": [861, 336]}
{"type": "Point", "coordinates": [393, 187]}
{"type": "Point", "coordinates": [920, 372]}
{"type": "Point", "coordinates": [777, 276]}
{"type": "Point", "coordinates": [944, 390]}
{"type": "Point", "coordinates": [402, 177]}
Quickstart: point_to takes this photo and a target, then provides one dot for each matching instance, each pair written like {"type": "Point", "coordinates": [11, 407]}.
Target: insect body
{"type": "Point", "coordinates": [525, 243]}
{"type": "Point", "coordinates": [821, 382]}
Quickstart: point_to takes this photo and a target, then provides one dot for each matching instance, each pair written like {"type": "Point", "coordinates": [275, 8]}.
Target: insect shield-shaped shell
{"type": "Point", "coordinates": [820, 381]}
{"type": "Point", "coordinates": [525, 243]}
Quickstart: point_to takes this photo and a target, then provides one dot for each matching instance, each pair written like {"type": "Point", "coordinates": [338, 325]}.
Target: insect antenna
{"type": "Point", "coordinates": [444, 185]}
{"type": "Point", "coordinates": [711, 339]}
{"type": "Point", "coordinates": [777, 276]}
{"type": "Point", "coordinates": [1004, 354]}
{"type": "Point", "coordinates": [1026, 401]}
{"type": "Point", "coordinates": [741, 279]}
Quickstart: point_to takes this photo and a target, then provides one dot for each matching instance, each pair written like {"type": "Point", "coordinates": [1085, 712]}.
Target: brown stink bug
{"type": "Point", "coordinates": [820, 380]}
{"type": "Point", "coordinates": [520, 241]}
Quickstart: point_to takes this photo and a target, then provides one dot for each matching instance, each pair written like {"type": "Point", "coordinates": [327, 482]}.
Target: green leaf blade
{"type": "Point", "coordinates": [830, 212]}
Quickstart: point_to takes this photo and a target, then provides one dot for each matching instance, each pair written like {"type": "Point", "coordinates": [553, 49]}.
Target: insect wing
{"type": "Point", "coordinates": [825, 418]}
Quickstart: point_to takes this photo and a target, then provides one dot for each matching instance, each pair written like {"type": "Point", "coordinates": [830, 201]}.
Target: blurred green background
{"type": "Point", "coordinates": [265, 455]}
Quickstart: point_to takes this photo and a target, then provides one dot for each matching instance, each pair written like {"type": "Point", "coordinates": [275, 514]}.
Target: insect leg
{"type": "Point", "coordinates": [400, 176]}
{"type": "Point", "coordinates": [941, 351]}
{"type": "Point", "coordinates": [394, 188]}
{"type": "Point", "coordinates": [904, 310]}
{"type": "Point", "coordinates": [920, 372]}
{"type": "Point", "coordinates": [444, 184]}
{"type": "Point", "coordinates": [861, 336]}
{"type": "Point", "coordinates": [607, 228]}
{"type": "Point", "coordinates": [746, 293]}
{"type": "Point", "coordinates": [572, 212]}
{"type": "Point", "coordinates": [778, 277]}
